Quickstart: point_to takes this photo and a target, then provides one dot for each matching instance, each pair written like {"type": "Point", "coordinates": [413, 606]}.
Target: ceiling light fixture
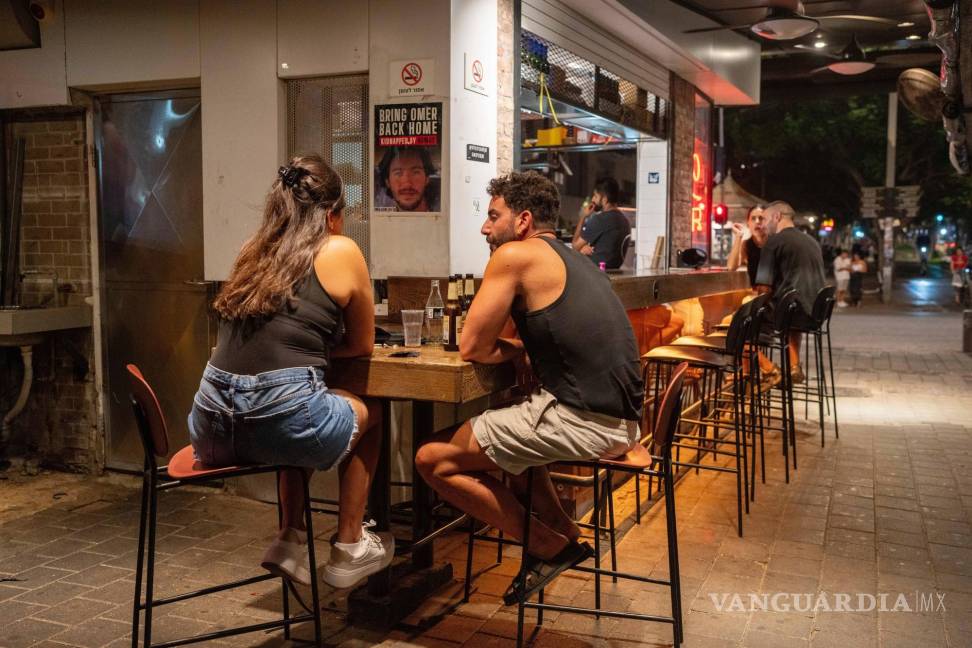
{"type": "Point", "coordinates": [820, 44]}
{"type": "Point", "coordinates": [784, 24]}
{"type": "Point", "coordinates": [913, 37]}
{"type": "Point", "coordinates": [906, 23]}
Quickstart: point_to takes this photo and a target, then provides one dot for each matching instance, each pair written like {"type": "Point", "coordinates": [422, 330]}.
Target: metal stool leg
{"type": "Point", "coordinates": [521, 576]}
{"type": "Point", "coordinates": [150, 568]}
{"type": "Point", "coordinates": [284, 591]}
{"type": "Point", "coordinates": [315, 597]}
{"type": "Point", "coordinates": [833, 384]}
{"type": "Point", "coordinates": [596, 519]}
{"type": "Point", "coordinates": [469, 559]}
{"type": "Point", "coordinates": [140, 558]}
{"type": "Point", "coordinates": [611, 529]}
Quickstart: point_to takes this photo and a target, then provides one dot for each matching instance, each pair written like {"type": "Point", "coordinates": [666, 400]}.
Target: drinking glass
{"type": "Point", "coordinates": [412, 321]}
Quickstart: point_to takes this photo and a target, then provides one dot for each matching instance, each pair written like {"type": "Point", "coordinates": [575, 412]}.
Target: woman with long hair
{"type": "Point", "coordinates": [746, 249]}
{"type": "Point", "coordinates": [298, 295]}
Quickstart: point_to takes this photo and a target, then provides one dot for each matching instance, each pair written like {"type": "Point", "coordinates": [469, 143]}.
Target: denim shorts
{"type": "Point", "coordinates": [285, 417]}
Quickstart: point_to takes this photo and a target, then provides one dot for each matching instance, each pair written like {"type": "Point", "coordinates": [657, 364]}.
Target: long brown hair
{"type": "Point", "coordinates": [282, 251]}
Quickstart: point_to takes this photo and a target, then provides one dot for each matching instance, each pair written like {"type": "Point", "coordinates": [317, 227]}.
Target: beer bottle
{"type": "Point", "coordinates": [470, 291]}
{"type": "Point", "coordinates": [461, 298]}
{"type": "Point", "coordinates": [450, 318]}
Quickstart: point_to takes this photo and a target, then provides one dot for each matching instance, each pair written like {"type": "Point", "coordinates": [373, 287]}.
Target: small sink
{"type": "Point", "coordinates": [26, 321]}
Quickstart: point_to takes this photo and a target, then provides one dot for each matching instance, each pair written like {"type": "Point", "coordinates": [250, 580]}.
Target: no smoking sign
{"type": "Point", "coordinates": [411, 77]}
{"type": "Point", "coordinates": [475, 75]}
{"type": "Point", "coordinates": [411, 74]}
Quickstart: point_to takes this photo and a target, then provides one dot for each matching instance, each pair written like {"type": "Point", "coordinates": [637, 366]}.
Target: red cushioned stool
{"type": "Point", "coordinates": [183, 470]}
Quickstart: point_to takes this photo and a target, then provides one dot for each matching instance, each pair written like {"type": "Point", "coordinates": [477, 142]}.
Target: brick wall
{"type": "Point", "coordinates": [683, 139]}
{"type": "Point", "coordinates": [59, 424]}
{"type": "Point", "coordinates": [504, 87]}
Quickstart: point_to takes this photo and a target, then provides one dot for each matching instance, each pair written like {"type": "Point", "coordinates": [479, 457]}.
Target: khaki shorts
{"type": "Point", "coordinates": [540, 431]}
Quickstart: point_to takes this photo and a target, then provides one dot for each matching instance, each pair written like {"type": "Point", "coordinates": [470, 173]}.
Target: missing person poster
{"type": "Point", "coordinates": [408, 157]}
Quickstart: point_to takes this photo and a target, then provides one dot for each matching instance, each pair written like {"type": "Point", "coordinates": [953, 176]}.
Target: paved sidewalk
{"type": "Point", "coordinates": [886, 509]}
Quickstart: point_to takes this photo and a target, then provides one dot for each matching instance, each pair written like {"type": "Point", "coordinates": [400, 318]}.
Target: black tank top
{"type": "Point", "coordinates": [581, 346]}
{"type": "Point", "coordinates": [752, 259]}
{"type": "Point", "coordinates": [302, 334]}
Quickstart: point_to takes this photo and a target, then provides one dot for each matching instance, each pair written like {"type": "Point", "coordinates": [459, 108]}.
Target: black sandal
{"type": "Point", "coordinates": [540, 572]}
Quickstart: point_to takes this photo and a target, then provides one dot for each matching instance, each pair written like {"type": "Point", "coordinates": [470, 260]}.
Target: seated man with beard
{"type": "Point", "coordinates": [583, 351]}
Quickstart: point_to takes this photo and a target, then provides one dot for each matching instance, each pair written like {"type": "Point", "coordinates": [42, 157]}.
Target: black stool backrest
{"type": "Point", "coordinates": [148, 416]}
{"type": "Point", "coordinates": [823, 305]}
{"type": "Point", "coordinates": [786, 307]}
{"type": "Point", "coordinates": [739, 328]}
{"type": "Point", "coordinates": [670, 410]}
{"type": "Point", "coordinates": [760, 308]}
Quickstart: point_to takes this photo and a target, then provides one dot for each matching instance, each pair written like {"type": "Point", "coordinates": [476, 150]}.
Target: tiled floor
{"type": "Point", "coordinates": [886, 509]}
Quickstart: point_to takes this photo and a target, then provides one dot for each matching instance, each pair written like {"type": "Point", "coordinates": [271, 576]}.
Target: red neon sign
{"type": "Point", "coordinates": [700, 196]}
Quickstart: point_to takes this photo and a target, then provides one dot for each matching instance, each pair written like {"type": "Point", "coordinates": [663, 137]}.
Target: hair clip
{"type": "Point", "coordinates": [290, 175]}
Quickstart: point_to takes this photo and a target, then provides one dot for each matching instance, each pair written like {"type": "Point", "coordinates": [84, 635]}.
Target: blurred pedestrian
{"type": "Point", "coordinates": [858, 268]}
{"type": "Point", "coordinates": [842, 275]}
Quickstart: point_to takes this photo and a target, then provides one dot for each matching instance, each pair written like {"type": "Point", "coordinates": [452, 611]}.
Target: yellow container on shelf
{"type": "Point", "coordinates": [551, 136]}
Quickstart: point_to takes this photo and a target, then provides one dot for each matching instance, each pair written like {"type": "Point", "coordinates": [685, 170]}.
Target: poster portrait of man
{"type": "Point", "coordinates": [408, 157]}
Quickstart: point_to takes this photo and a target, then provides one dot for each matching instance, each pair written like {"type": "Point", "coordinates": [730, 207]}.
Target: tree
{"type": "Point", "coordinates": [818, 154]}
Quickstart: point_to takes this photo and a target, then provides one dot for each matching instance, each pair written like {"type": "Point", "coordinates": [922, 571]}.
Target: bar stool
{"type": "Point", "coordinates": [818, 328]}
{"type": "Point", "coordinates": [714, 366]}
{"type": "Point", "coordinates": [747, 356]}
{"type": "Point", "coordinates": [637, 461]}
{"type": "Point", "coordinates": [775, 339]}
{"type": "Point", "coordinates": [182, 470]}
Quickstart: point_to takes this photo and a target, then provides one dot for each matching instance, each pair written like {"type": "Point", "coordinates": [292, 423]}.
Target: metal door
{"type": "Point", "coordinates": [329, 116]}
{"type": "Point", "coordinates": [154, 303]}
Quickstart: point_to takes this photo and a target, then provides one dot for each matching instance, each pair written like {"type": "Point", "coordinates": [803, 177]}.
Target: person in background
{"type": "Point", "coordinates": [745, 249]}
{"type": "Point", "coordinates": [602, 229]}
{"type": "Point", "coordinates": [858, 268]}
{"type": "Point", "coordinates": [791, 260]}
{"type": "Point", "coordinates": [842, 275]}
{"type": "Point", "coordinates": [958, 262]}
{"type": "Point", "coordinates": [581, 348]}
{"type": "Point", "coordinates": [298, 295]}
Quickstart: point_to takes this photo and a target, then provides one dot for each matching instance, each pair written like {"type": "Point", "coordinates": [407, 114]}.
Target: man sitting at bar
{"type": "Point", "coordinates": [583, 351]}
{"type": "Point", "coordinates": [791, 260]}
{"type": "Point", "coordinates": [600, 233]}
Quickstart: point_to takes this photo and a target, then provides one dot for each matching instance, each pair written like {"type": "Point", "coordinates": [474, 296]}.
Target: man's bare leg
{"type": "Point", "coordinates": [546, 504]}
{"type": "Point", "coordinates": [794, 344]}
{"type": "Point", "coordinates": [456, 467]}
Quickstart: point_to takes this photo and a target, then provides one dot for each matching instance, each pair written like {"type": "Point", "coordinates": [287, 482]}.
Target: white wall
{"type": "Point", "coordinates": [321, 37]}
{"type": "Point", "coordinates": [36, 76]}
{"type": "Point", "coordinates": [410, 244]}
{"type": "Point", "coordinates": [652, 201]}
{"type": "Point", "coordinates": [243, 113]}
{"type": "Point", "coordinates": [131, 41]}
{"type": "Point", "coordinates": [473, 121]}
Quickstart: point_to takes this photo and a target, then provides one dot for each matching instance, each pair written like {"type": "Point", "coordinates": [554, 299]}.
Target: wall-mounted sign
{"type": "Point", "coordinates": [408, 157]}
{"type": "Point", "coordinates": [477, 153]}
{"type": "Point", "coordinates": [654, 177]}
{"type": "Point", "coordinates": [474, 77]}
{"type": "Point", "coordinates": [411, 77]}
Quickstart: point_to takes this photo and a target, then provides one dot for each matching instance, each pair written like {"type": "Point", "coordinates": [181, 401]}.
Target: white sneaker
{"type": "Point", "coordinates": [843, 304]}
{"type": "Point", "coordinates": [350, 563]}
{"type": "Point", "coordinates": [288, 559]}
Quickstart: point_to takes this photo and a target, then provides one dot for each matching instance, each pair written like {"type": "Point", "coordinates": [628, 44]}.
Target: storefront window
{"type": "Point", "coordinates": [702, 174]}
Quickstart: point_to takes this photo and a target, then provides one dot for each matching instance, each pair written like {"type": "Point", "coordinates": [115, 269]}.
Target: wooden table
{"type": "Point", "coordinates": [435, 376]}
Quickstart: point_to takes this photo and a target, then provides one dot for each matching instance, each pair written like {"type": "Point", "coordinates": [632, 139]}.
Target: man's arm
{"type": "Point", "coordinates": [489, 315]}
{"type": "Point", "coordinates": [586, 245]}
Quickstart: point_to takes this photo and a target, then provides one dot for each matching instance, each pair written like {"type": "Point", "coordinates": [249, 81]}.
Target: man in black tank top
{"type": "Point", "coordinates": [546, 302]}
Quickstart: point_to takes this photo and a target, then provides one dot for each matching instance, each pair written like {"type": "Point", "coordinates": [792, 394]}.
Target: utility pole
{"type": "Point", "coordinates": [886, 221]}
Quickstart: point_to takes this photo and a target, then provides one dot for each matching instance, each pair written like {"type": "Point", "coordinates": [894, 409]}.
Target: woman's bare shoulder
{"type": "Point", "coordinates": [339, 247]}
